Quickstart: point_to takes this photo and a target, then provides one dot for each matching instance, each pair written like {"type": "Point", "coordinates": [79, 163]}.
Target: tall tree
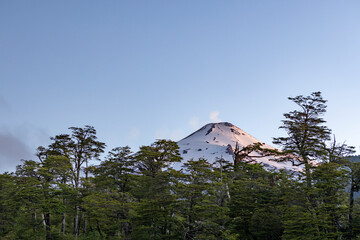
{"type": "Point", "coordinates": [109, 202]}
{"type": "Point", "coordinates": [254, 203]}
{"type": "Point", "coordinates": [80, 147]}
{"type": "Point", "coordinates": [30, 196]}
{"type": "Point", "coordinates": [153, 217]}
{"type": "Point", "coordinates": [322, 211]}
{"type": "Point", "coordinates": [40, 183]}
{"type": "Point", "coordinates": [202, 210]}
{"type": "Point", "coordinates": [157, 157]}
{"type": "Point", "coordinates": [307, 136]}
{"type": "Point", "coordinates": [117, 171]}
{"type": "Point", "coordinates": [9, 207]}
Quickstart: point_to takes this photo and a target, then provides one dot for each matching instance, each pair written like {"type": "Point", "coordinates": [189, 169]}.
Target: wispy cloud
{"type": "Point", "coordinates": [18, 143]}
{"type": "Point", "coordinates": [12, 150]}
{"type": "Point", "coordinates": [214, 116]}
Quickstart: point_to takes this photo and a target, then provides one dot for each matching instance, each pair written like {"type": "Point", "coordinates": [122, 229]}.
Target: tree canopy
{"type": "Point", "coordinates": [65, 194]}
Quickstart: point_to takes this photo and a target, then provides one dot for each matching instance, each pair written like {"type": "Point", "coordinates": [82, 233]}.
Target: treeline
{"type": "Point", "coordinates": [141, 196]}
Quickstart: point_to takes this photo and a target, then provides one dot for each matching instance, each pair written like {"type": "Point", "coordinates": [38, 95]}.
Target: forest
{"type": "Point", "coordinates": [62, 194]}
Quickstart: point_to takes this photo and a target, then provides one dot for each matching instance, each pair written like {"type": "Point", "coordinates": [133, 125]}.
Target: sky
{"type": "Point", "coordinates": [144, 70]}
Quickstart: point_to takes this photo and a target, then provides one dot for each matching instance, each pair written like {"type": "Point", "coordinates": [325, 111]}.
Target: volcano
{"type": "Point", "coordinates": [218, 140]}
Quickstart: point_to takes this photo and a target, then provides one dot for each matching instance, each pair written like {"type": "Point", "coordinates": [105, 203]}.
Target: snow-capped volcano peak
{"type": "Point", "coordinates": [221, 134]}
{"type": "Point", "coordinates": [217, 140]}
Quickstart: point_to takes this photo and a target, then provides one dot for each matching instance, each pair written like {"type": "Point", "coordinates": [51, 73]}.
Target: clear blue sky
{"type": "Point", "coordinates": [142, 70]}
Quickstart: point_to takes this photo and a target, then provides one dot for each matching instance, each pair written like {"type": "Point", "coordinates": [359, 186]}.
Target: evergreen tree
{"type": "Point", "coordinates": [9, 207]}
{"type": "Point", "coordinates": [307, 136]}
{"type": "Point", "coordinates": [255, 203]}
{"type": "Point", "coordinates": [157, 157]}
{"type": "Point", "coordinates": [117, 171]}
{"type": "Point", "coordinates": [39, 188]}
{"type": "Point", "coordinates": [153, 217]}
{"type": "Point", "coordinates": [354, 172]}
{"type": "Point", "coordinates": [80, 147]}
{"type": "Point", "coordinates": [29, 195]}
{"type": "Point", "coordinates": [203, 214]}
{"type": "Point", "coordinates": [109, 202]}
{"type": "Point", "coordinates": [322, 209]}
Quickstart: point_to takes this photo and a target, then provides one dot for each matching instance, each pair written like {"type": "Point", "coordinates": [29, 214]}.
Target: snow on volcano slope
{"type": "Point", "coordinates": [217, 140]}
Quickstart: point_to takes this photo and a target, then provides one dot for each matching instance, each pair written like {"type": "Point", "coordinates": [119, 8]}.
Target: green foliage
{"type": "Point", "coordinates": [105, 211]}
{"type": "Point", "coordinates": [319, 212]}
{"type": "Point", "coordinates": [307, 135]}
{"type": "Point", "coordinates": [157, 157]}
{"type": "Point", "coordinates": [154, 212]}
{"type": "Point", "coordinates": [323, 210]}
{"type": "Point", "coordinates": [141, 196]}
{"type": "Point", "coordinates": [254, 203]}
{"type": "Point", "coordinates": [117, 171]}
{"type": "Point", "coordinates": [9, 209]}
{"type": "Point", "coordinates": [203, 214]}
{"type": "Point", "coordinates": [108, 201]}
{"type": "Point", "coordinates": [154, 209]}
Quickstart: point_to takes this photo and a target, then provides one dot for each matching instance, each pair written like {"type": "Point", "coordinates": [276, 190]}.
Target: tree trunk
{"type": "Point", "coordinates": [76, 221]}
{"type": "Point", "coordinates": [43, 220]}
{"type": "Point", "coordinates": [99, 229]}
{"type": "Point", "coordinates": [85, 224]}
{"type": "Point", "coordinates": [190, 233]}
{"type": "Point", "coordinates": [63, 224]}
{"type": "Point", "coordinates": [351, 206]}
{"type": "Point", "coordinates": [308, 174]}
{"type": "Point", "coordinates": [35, 221]}
{"type": "Point", "coordinates": [48, 226]}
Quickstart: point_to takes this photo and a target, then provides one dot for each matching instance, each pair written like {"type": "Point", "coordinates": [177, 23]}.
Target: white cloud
{"type": "Point", "coordinates": [194, 122]}
{"type": "Point", "coordinates": [214, 116]}
{"type": "Point", "coordinates": [134, 133]}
